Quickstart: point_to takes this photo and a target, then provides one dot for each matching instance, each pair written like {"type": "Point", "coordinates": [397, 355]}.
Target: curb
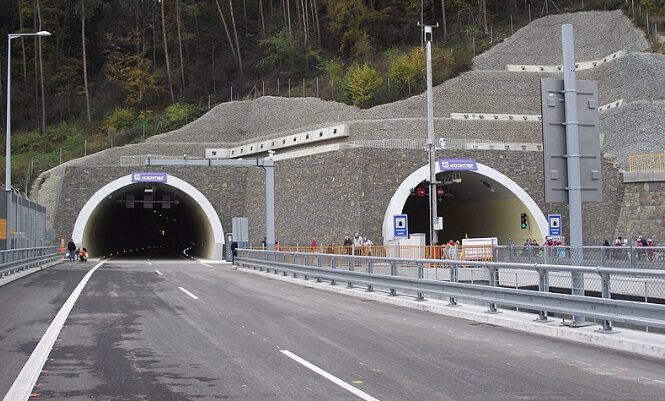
{"type": "Point", "coordinates": [625, 340]}
{"type": "Point", "coordinates": [27, 272]}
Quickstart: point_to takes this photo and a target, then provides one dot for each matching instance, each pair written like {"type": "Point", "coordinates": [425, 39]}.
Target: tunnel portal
{"type": "Point", "coordinates": [472, 206]}
{"type": "Point", "coordinates": [149, 218]}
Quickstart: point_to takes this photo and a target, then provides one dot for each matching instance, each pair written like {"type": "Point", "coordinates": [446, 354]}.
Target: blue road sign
{"type": "Point", "coordinates": [457, 164]}
{"type": "Point", "coordinates": [554, 221]}
{"type": "Point", "coordinates": [401, 226]}
{"type": "Point", "coordinates": [149, 177]}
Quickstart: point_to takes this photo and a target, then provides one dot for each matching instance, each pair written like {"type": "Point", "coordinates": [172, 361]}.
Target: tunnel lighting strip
{"type": "Point", "coordinates": [346, 386]}
{"type": "Point", "coordinates": [26, 379]}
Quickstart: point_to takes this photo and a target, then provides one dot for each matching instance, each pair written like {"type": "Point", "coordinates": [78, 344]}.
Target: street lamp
{"type": "Point", "coordinates": [8, 150]}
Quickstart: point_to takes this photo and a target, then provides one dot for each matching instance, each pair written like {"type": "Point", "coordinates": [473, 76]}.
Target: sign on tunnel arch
{"type": "Point", "coordinates": [149, 177]}
{"type": "Point", "coordinates": [457, 164]}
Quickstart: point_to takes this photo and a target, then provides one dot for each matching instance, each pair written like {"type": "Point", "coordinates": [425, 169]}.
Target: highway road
{"type": "Point", "coordinates": [183, 330]}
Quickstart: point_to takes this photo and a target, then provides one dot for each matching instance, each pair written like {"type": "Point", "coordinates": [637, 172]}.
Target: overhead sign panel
{"type": "Point", "coordinates": [457, 164]}
{"type": "Point", "coordinates": [149, 177]}
{"type": "Point", "coordinates": [554, 140]}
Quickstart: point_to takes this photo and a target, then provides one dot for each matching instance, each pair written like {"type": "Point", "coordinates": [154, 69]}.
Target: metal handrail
{"type": "Point", "coordinates": [605, 308]}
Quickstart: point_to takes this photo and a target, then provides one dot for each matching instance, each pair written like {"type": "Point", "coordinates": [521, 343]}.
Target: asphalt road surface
{"type": "Point", "coordinates": [183, 330]}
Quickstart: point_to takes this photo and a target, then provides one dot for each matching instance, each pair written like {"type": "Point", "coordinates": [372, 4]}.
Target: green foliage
{"type": "Point", "coordinates": [120, 119]}
{"type": "Point", "coordinates": [279, 49]}
{"type": "Point", "coordinates": [407, 67]}
{"type": "Point", "coordinates": [361, 83]}
{"type": "Point", "coordinates": [282, 52]}
{"type": "Point", "coordinates": [181, 112]}
{"type": "Point", "coordinates": [333, 69]}
{"type": "Point", "coordinates": [654, 5]}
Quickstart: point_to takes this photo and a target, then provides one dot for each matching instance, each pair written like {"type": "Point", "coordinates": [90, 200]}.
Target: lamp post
{"type": "Point", "coordinates": [8, 149]}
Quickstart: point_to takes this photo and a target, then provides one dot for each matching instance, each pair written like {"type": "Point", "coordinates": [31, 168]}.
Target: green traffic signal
{"type": "Point", "coordinates": [523, 221]}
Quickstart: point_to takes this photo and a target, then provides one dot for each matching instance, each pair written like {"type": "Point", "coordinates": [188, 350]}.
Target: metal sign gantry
{"type": "Point", "coordinates": [268, 164]}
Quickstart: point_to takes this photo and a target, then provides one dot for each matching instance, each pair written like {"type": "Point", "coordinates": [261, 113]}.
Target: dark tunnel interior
{"type": "Point", "coordinates": [147, 219]}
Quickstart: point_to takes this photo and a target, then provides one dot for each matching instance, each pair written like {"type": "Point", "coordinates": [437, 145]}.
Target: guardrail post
{"type": "Point", "coordinates": [607, 294]}
{"type": "Point", "coordinates": [493, 282]}
{"type": "Point", "coordinates": [543, 286]}
{"type": "Point", "coordinates": [602, 256]}
{"type": "Point", "coordinates": [332, 267]}
{"type": "Point", "coordinates": [351, 263]}
{"type": "Point", "coordinates": [453, 279]}
{"type": "Point", "coordinates": [393, 272]}
{"type": "Point", "coordinates": [370, 270]}
{"type": "Point", "coordinates": [421, 274]}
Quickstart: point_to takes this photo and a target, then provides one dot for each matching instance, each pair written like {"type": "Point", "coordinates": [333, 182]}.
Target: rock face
{"type": "Point", "coordinates": [349, 189]}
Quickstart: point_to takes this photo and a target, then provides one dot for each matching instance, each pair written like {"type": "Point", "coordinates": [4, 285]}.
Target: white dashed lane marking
{"type": "Point", "coordinates": [188, 293]}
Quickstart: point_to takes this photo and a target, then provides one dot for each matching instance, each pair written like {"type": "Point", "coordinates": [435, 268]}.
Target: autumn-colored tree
{"type": "Point", "coordinates": [361, 83]}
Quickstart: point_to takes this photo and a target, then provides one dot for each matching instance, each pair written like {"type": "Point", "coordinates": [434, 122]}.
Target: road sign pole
{"type": "Point", "coordinates": [573, 161]}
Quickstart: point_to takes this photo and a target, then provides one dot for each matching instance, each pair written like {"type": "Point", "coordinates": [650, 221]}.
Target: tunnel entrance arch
{"type": "Point", "coordinates": [487, 177]}
{"type": "Point", "coordinates": [211, 230]}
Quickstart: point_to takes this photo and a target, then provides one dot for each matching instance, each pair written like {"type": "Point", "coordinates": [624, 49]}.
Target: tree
{"type": "Point", "coordinates": [361, 83]}
{"type": "Point", "coordinates": [85, 63]}
{"type": "Point", "coordinates": [166, 52]}
{"type": "Point", "coordinates": [407, 67]}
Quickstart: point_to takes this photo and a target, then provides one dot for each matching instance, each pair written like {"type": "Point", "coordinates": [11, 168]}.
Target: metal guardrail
{"type": "Point", "coordinates": [649, 162]}
{"type": "Point", "coordinates": [449, 278]}
{"type": "Point", "coordinates": [15, 260]}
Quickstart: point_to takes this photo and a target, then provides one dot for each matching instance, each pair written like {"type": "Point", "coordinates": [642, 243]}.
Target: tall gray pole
{"type": "Point", "coordinates": [433, 234]}
{"type": "Point", "coordinates": [573, 160]}
{"type": "Point", "coordinates": [8, 148]}
{"type": "Point", "coordinates": [269, 166]}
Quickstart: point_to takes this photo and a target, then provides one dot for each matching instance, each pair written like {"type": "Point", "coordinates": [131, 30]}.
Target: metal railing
{"type": "Point", "coordinates": [648, 162]}
{"type": "Point", "coordinates": [629, 296]}
{"type": "Point", "coordinates": [14, 260]}
{"type": "Point", "coordinates": [629, 256]}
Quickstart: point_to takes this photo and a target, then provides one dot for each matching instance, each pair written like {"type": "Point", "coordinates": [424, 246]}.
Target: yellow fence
{"type": "Point", "coordinates": [651, 162]}
{"type": "Point", "coordinates": [478, 253]}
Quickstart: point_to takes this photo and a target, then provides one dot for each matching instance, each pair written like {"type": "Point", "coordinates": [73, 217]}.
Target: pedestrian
{"type": "Point", "coordinates": [83, 256]}
{"type": "Point", "coordinates": [347, 244]}
{"type": "Point", "coordinates": [263, 244]}
{"type": "Point", "coordinates": [71, 250]}
{"type": "Point", "coordinates": [314, 244]}
{"type": "Point", "coordinates": [367, 245]}
{"type": "Point", "coordinates": [650, 250]}
{"type": "Point", "coordinates": [357, 242]}
{"type": "Point", "coordinates": [234, 251]}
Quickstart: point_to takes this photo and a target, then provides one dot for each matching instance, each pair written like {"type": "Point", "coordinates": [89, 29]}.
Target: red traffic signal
{"type": "Point", "coordinates": [420, 191]}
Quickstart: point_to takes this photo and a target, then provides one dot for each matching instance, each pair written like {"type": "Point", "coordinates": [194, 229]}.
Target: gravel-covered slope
{"type": "Point", "coordinates": [635, 128]}
{"type": "Point", "coordinates": [597, 34]}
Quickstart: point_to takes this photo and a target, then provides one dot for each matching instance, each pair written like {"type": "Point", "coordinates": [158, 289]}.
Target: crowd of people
{"type": "Point", "coordinates": [644, 248]}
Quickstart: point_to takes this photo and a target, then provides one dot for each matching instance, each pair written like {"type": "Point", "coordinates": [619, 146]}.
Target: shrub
{"type": "Point", "coordinates": [120, 119]}
{"type": "Point", "coordinates": [181, 112]}
{"type": "Point", "coordinates": [408, 67]}
{"type": "Point", "coordinates": [361, 83]}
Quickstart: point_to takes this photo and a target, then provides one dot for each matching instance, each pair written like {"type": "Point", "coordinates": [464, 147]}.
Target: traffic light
{"type": "Point", "coordinates": [524, 221]}
{"type": "Point", "coordinates": [440, 194]}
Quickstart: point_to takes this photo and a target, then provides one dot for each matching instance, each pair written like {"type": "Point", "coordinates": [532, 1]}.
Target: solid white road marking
{"type": "Point", "coordinates": [26, 379]}
{"type": "Point", "coordinates": [149, 262]}
{"type": "Point", "coordinates": [188, 293]}
{"type": "Point", "coordinates": [346, 386]}
{"type": "Point", "coordinates": [158, 272]}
